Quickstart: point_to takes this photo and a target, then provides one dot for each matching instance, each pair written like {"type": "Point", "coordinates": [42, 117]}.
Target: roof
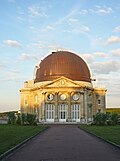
{"type": "Point", "coordinates": [62, 63]}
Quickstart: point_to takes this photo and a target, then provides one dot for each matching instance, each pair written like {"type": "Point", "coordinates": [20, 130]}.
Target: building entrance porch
{"type": "Point", "coordinates": [62, 112]}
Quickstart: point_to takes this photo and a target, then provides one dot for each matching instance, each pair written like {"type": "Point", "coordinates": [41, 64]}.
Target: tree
{"type": "Point", "coordinates": [11, 118]}
{"type": "Point", "coordinates": [114, 118]}
{"type": "Point", "coordinates": [99, 119]}
{"type": "Point", "coordinates": [18, 121]}
{"type": "Point", "coordinates": [31, 119]}
{"type": "Point", "coordinates": [23, 118]}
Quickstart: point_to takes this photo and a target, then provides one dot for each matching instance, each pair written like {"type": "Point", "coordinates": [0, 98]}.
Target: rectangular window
{"type": "Point", "coordinates": [99, 102]}
{"type": "Point", "coordinates": [75, 111]}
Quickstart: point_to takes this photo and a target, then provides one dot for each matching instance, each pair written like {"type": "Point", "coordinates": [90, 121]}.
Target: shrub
{"type": "Point", "coordinates": [30, 118]}
{"type": "Point", "coordinates": [108, 118]}
{"type": "Point", "coordinates": [99, 119]}
{"type": "Point", "coordinates": [23, 118]}
{"type": "Point", "coordinates": [18, 121]}
{"type": "Point", "coordinates": [11, 118]}
{"type": "Point", "coordinates": [114, 118]}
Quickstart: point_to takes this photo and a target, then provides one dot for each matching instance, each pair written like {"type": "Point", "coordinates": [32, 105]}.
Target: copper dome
{"type": "Point", "coordinates": [62, 63]}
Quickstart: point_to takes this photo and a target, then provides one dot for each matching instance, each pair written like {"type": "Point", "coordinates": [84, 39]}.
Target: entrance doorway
{"type": "Point", "coordinates": [75, 112]}
{"type": "Point", "coordinates": [50, 112]}
{"type": "Point", "coordinates": [63, 112]}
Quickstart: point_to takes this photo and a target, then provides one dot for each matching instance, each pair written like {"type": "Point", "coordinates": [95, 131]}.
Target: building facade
{"type": "Point", "coordinates": [62, 91]}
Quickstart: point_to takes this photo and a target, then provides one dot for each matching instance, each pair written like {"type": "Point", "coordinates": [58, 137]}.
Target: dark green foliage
{"type": "Point", "coordinates": [11, 118]}
{"type": "Point", "coordinates": [113, 119]}
{"type": "Point", "coordinates": [106, 119]}
{"type": "Point", "coordinates": [99, 119]}
{"type": "Point", "coordinates": [23, 118]}
{"type": "Point", "coordinates": [18, 121]}
{"type": "Point", "coordinates": [30, 119]}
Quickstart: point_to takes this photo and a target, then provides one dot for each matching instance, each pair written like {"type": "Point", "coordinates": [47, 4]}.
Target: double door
{"type": "Point", "coordinates": [50, 108]}
{"type": "Point", "coordinates": [75, 112]}
{"type": "Point", "coordinates": [63, 112]}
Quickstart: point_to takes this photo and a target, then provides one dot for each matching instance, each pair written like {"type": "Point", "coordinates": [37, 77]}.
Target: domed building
{"type": "Point", "coordinates": [62, 91]}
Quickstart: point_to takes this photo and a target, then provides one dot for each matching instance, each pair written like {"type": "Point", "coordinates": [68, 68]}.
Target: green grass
{"type": "Point", "coordinates": [11, 135]}
{"type": "Point", "coordinates": [111, 133]}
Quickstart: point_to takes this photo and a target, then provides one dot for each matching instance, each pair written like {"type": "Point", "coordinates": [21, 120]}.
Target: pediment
{"type": "Point", "coordinates": [62, 82]}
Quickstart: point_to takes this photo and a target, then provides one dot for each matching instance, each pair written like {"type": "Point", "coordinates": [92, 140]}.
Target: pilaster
{"type": "Point", "coordinates": [56, 107]}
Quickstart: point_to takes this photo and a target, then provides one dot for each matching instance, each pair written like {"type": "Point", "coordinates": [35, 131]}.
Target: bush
{"type": "Point", "coordinates": [114, 118]}
{"type": "Point", "coordinates": [99, 119]}
{"type": "Point", "coordinates": [108, 118]}
{"type": "Point", "coordinates": [30, 118]}
{"type": "Point", "coordinates": [23, 119]}
{"type": "Point", "coordinates": [11, 118]}
{"type": "Point", "coordinates": [18, 121]}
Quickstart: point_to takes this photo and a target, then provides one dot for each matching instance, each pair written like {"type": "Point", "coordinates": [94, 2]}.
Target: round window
{"type": "Point", "coordinates": [50, 97]}
{"type": "Point", "coordinates": [75, 97]}
{"type": "Point", "coordinates": [63, 97]}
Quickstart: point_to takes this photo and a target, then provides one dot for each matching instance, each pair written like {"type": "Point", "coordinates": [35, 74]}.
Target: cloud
{"type": "Point", "coordinates": [83, 11]}
{"type": "Point", "coordinates": [113, 39]}
{"type": "Point", "coordinates": [72, 20]}
{"type": "Point", "coordinates": [115, 52]}
{"type": "Point", "coordinates": [88, 57]}
{"type": "Point", "coordinates": [2, 66]}
{"type": "Point", "coordinates": [80, 29]}
{"type": "Point", "coordinates": [36, 11]}
{"type": "Point", "coordinates": [70, 15]}
{"type": "Point", "coordinates": [117, 29]}
{"type": "Point", "coordinates": [48, 28]}
{"type": "Point", "coordinates": [12, 43]}
{"type": "Point", "coordinates": [102, 10]}
{"type": "Point", "coordinates": [106, 67]}
{"type": "Point", "coordinates": [14, 71]}
{"type": "Point", "coordinates": [25, 56]}
{"type": "Point", "coordinates": [50, 47]}
{"type": "Point", "coordinates": [76, 27]}
{"type": "Point", "coordinates": [101, 54]}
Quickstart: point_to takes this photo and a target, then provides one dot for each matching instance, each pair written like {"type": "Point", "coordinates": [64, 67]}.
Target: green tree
{"type": "Point", "coordinates": [31, 119]}
{"type": "Point", "coordinates": [114, 118]}
{"type": "Point", "coordinates": [18, 121]}
{"type": "Point", "coordinates": [23, 118]}
{"type": "Point", "coordinates": [11, 118]}
{"type": "Point", "coordinates": [99, 119]}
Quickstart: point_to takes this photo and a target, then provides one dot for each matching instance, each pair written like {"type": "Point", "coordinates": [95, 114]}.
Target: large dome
{"type": "Point", "coordinates": [62, 63]}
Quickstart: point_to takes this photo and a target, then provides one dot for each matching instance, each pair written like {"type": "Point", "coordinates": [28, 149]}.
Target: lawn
{"type": "Point", "coordinates": [110, 133]}
{"type": "Point", "coordinates": [11, 135]}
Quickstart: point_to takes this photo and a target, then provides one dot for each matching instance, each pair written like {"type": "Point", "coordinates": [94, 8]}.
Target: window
{"type": "Point", "coordinates": [26, 102]}
{"type": "Point", "coordinates": [75, 111]}
{"type": "Point", "coordinates": [99, 102]}
{"type": "Point", "coordinates": [99, 110]}
{"type": "Point", "coordinates": [63, 109]}
{"type": "Point", "coordinates": [49, 111]}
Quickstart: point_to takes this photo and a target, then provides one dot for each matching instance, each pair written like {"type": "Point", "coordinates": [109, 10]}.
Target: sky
{"type": "Point", "coordinates": [31, 29]}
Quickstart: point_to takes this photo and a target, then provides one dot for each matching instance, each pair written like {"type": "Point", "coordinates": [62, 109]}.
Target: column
{"type": "Point", "coordinates": [82, 110]}
{"type": "Point", "coordinates": [56, 108]}
{"type": "Point", "coordinates": [85, 105]}
{"type": "Point", "coordinates": [43, 107]}
{"type": "Point", "coordinates": [69, 107]}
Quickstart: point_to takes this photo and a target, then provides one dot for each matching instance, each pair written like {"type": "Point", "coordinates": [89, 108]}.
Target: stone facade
{"type": "Point", "coordinates": [62, 100]}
